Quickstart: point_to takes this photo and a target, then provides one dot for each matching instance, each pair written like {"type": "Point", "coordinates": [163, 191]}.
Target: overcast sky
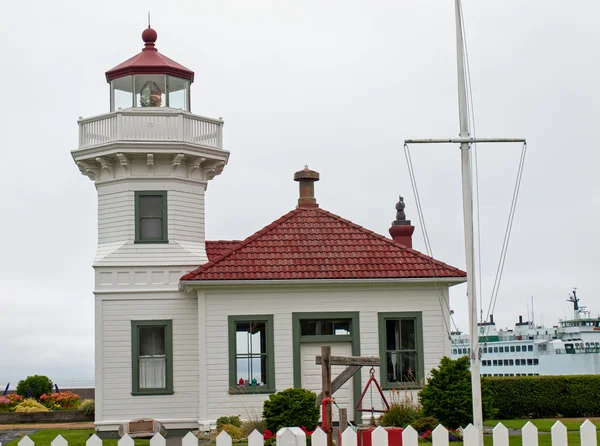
{"type": "Point", "coordinates": [335, 84]}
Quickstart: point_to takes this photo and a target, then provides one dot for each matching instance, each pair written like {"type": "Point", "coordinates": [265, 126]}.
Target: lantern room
{"type": "Point", "coordinates": [150, 79]}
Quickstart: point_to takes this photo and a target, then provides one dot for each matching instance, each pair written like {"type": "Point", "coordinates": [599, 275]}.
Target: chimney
{"type": "Point", "coordinates": [401, 229]}
{"type": "Point", "coordinates": [491, 318]}
{"type": "Point", "coordinates": [520, 319]}
{"type": "Point", "coordinates": [307, 178]}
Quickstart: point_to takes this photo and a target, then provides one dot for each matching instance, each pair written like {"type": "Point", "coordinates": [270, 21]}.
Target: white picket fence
{"type": "Point", "coordinates": [379, 437]}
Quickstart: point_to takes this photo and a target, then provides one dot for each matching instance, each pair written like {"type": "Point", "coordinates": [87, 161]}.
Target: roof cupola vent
{"type": "Point", "coordinates": [307, 178]}
{"type": "Point", "coordinates": [149, 37]}
{"type": "Point", "coordinates": [401, 229]}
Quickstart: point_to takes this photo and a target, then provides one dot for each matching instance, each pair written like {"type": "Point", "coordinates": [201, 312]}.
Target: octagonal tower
{"type": "Point", "coordinates": [150, 159]}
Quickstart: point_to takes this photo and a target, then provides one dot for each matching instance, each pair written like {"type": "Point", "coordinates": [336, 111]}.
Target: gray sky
{"type": "Point", "coordinates": [334, 84]}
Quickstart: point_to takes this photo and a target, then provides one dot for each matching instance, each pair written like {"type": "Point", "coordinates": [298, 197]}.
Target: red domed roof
{"type": "Point", "coordinates": [149, 61]}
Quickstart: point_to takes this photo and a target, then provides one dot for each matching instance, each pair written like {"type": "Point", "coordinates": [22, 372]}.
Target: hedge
{"type": "Point", "coordinates": [546, 396]}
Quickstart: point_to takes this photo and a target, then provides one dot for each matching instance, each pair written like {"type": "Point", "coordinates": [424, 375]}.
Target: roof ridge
{"type": "Point", "coordinates": [388, 240]}
{"type": "Point", "coordinates": [243, 243]}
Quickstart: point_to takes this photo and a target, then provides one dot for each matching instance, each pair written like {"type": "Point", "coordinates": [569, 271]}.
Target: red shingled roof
{"type": "Point", "coordinates": [311, 243]}
{"type": "Point", "coordinates": [216, 248]}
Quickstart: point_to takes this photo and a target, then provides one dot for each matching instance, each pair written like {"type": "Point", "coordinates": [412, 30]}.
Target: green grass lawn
{"type": "Point", "coordinates": [75, 437]}
{"type": "Point", "coordinates": [544, 424]}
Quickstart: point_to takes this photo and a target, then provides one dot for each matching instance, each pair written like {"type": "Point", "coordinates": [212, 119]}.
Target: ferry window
{"type": "Point", "coordinates": [536, 361]}
{"type": "Point", "coordinates": [454, 351]}
{"type": "Point", "coordinates": [506, 362]}
{"type": "Point", "coordinates": [518, 348]}
{"type": "Point", "coordinates": [495, 374]}
{"type": "Point", "coordinates": [484, 349]}
{"type": "Point", "coordinates": [511, 362]}
{"type": "Point", "coordinates": [530, 374]}
{"type": "Point", "coordinates": [530, 362]}
{"type": "Point", "coordinates": [530, 348]}
{"type": "Point", "coordinates": [512, 348]}
{"type": "Point", "coordinates": [501, 349]}
{"type": "Point", "coordinates": [495, 362]}
{"type": "Point", "coordinates": [495, 349]}
{"type": "Point", "coordinates": [469, 350]}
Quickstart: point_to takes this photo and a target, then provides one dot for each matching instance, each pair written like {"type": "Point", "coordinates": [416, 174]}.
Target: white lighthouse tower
{"type": "Point", "coordinates": [151, 160]}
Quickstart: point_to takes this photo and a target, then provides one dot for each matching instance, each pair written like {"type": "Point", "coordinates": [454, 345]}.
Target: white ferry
{"type": "Point", "coordinates": [570, 348]}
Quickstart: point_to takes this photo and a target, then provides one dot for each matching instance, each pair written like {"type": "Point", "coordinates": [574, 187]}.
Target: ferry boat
{"type": "Point", "coordinates": [570, 348]}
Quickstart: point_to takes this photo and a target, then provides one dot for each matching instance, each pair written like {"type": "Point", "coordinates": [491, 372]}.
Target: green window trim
{"type": "Point", "coordinates": [420, 375]}
{"type": "Point", "coordinates": [354, 338]}
{"type": "Point", "coordinates": [135, 357]}
{"type": "Point", "coordinates": [165, 226]}
{"type": "Point", "coordinates": [234, 387]}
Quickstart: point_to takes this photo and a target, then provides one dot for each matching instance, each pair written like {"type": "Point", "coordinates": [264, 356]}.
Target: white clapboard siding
{"type": "Point", "coordinates": [117, 401]}
{"type": "Point", "coordinates": [379, 437]}
{"type": "Point", "coordinates": [282, 304]}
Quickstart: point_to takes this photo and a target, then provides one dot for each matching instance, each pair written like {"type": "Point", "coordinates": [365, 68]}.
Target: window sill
{"type": "Point", "coordinates": [153, 392]}
{"type": "Point", "coordinates": [150, 241]}
{"type": "Point", "coordinates": [237, 390]}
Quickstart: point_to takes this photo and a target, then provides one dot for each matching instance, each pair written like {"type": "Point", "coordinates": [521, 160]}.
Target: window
{"type": "Point", "coordinates": [495, 349]}
{"type": "Point", "coordinates": [401, 348]}
{"type": "Point", "coordinates": [511, 361]}
{"type": "Point", "coordinates": [151, 217]}
{"type": "Point", "coordinates": [454, 352]}
{"type": "Point", "coordinates": [518, 348]}
{"type": "Point", "coordinates": [512, 348]}
{"type": "Point", "coordinates": [530, 348]}
{"type": "Point", "coordinates": [324, 327]}
{"type": "Point", "coordinates": [484, 349]}
{"type": "Point", "coordinates": [501, 349]}
{"type": "Point", "coordinates": [152, 357]}
{"type": "Point", "coordinates": [251, 353]}
{"type": "Point", "coordinates": [536, 361]}
{"type": "Point", "coordinates": [530, 362]}
{"type": "Point", "coordinates": [506, 362]}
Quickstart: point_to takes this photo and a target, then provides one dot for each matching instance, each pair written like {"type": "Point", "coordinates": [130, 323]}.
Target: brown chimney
{"type": "Point", "coordinates": [401, 229]}
{"type": "Point", "coordinates": [307, 178]}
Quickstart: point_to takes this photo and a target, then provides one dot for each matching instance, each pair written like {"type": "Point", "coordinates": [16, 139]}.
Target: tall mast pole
{"type": "Point", "coordinates": [467, 195]}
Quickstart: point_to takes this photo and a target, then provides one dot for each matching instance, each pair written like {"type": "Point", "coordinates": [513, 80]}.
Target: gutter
{"type": "Point", "coordinates": [190, 285]}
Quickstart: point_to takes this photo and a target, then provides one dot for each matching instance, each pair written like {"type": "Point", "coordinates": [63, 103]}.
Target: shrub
{"type": "Point", "coordinates": [291, 407]}
{"type": "Point", "coordinates": [235, 432]}
{"type": "Point", "coordinates": [546, 396]}
{"type": "Point", "coordinates": [447, 395]}
{"type": "Point", "coordinates": [60, 401]}
{"type": "Point", "coordinates": [424, 424]}
{"type": "Point", "coordinates": [30, 405]}
{"type": "Point", "coordinates": [38, 384]}
{"type": "Point", "coordinates": [234, 420]}
{"type": "Point", "coordinates": [249, 426]}
{"type": "Point", "coordinates": [400, 415]}
{"type": "Point", "coordinates": [88, 407]}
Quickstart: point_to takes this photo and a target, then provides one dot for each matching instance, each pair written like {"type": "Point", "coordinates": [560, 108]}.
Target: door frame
{"type": "Point", "coordinates": [353, 338]}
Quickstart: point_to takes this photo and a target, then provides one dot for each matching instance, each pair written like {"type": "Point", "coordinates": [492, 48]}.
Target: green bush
{"type": "Point", "coordinates": [400, 415]}
{"type": "Point", "coordinates": [546, 396]}
{"type": "Point", "coordinates": [447, 394]}
{"type": "Point", "coordinates": [38, 384]}
{"type": "Point", "coordinates": [88, 407]}
{"type": "Point", "coordinates": [30, 405]}
{"type": "Point", "coordinates": [291, 407]}
{"type": "Point", "coordinates": [235, 432]}
{"type": "Point", "coordinates": [424, 424]}
{"type": "Point", "coordinates": [234, 420]}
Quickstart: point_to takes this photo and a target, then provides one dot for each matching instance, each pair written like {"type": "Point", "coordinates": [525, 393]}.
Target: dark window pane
{"type": "Point", "coordinates": [151, 228]}
{"type": "Point", "coordinates": [392, 333]}
{"type": "Point", "coordinates": [151, 205]}
{"type": "Point", "coordinates": [407, 336]}
{"type": "Point", "coordinates": [401, 366]}
{"type": "Point", "coordinates": [340, 327]}
{"type": "Point", "coordinates": [152, 341]}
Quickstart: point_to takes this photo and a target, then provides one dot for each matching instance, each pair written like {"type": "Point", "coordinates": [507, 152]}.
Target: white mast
{"type": "Point", "coordinates": [467, 195]}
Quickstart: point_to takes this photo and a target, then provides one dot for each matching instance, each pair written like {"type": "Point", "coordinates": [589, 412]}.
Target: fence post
{"type": "Point", "coordinates": [410, 437]}
{"type": "Point", "coordinates": [59, 441]}
{"type": "Point", "coordinates": [471, 436]}
{"type": "Point", "coordinates": [559, 434]}
{"type": "Point", "coordinates": [588, 434]}
{"type": "Point", "coordinates": [500, 435]}
{"type": "Point", "coordinates": [125, 440]}
{"type": "Point", "coordinates": [224, 439]}
{"type": "Point", "coordinates": [440, 436]}
{"type": "Point", "coordinates": [256, 439]}
{"type": "Point", "coordinates": [94, 440]}
{"type": "Point", "coordinates": [379, 437]}
{"type": "Point", "coordinates": [529, 433]}
{"type": "Point", "coordinates": [158, 440]}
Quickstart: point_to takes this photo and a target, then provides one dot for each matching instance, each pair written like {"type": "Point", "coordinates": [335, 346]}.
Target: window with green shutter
{"type": "Point", "coordinates": [152, 357]}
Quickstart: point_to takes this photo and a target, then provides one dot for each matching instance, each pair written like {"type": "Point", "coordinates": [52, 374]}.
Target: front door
{"type": "Point", "coordinates": [311, 374]}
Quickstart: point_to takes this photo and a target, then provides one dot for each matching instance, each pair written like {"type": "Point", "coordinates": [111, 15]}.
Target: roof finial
{"type": "Point", "coordinates": [401, 229]}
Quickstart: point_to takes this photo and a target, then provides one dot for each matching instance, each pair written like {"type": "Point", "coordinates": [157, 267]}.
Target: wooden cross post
{"type": "Point", "coordinates": [326, 389]}
{"type": "Point", "coordinates": [353, 364]}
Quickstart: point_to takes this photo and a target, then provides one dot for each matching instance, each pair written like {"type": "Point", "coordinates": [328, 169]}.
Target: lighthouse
{"type": "Point", "coordinates": [150, 159]}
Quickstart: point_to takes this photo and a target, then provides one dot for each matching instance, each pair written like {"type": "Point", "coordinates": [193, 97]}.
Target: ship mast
{"type": "Point", "coordinates": [465, 142]}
